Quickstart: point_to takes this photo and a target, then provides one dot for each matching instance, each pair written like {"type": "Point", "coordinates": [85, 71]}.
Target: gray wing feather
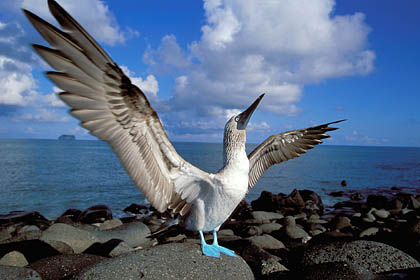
{"type": "Point", "coordinates": [116, 111]}
{"type": "Point", "coordinates": [284, 146]}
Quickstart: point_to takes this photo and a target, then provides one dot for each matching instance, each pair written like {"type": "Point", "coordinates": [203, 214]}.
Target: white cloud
{"type": "Point", "coordinates": [52, 100]}
{"type": "Point", "coordinates": [149, 85]}
{"type": "Point", "coordinates": [276, 47]}
{"type": "Point", "coordinates": [42, 115]}
{"type": "Point", "coordinates": [93, 15]}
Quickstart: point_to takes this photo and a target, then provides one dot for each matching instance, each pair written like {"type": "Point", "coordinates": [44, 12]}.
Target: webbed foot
{"type": "Point", "coordinates": [224, 250]}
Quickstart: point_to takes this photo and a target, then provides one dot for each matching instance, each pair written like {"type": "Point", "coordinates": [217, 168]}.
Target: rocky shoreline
{"type": "Point", "coordinates": [277, 236]}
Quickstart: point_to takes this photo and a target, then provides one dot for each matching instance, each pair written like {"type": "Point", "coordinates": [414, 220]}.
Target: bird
{"type": "Point", "coordinates": [116, 111]}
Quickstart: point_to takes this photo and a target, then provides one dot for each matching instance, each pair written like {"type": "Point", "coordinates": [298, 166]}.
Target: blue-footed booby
{"type": "Point", "coordinates": [103, 98]}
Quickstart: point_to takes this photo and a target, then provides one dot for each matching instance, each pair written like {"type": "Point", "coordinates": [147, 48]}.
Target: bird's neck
{"type": "Point", "coordinates": [234, 153]}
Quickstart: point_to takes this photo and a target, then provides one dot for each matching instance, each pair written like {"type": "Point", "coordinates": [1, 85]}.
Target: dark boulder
{"type": "Point", "coordinates": [336, 194]}
{"type": "Point", "coordinates": [136, 209]}
{"type": "Point", "coordinates": [242, 212]}
{"type": "Point", "coordinates": [377, 201]}
{"type": "Point", "coordinates": [72, 214]}
{"type": "Point", "coordinates": [33, 250]}
{"type": "Point", "coordinates": [25, 218]}
{"type": "Point", "coordinates": [95, 214]}
{"type": "Point", "coordinates": [357, 196]}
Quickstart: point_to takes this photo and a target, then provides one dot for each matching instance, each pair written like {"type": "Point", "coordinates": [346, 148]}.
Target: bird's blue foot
{"type": "Point", "coordinates": [210, 251]}
{"type": "Point", "coordinates": [224, 250]}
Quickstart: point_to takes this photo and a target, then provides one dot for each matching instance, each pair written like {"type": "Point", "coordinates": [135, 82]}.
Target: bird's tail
{"type": "Point", "coordinates": [165, 228]}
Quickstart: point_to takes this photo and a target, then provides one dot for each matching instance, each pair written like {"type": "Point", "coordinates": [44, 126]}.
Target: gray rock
{"type": "Point", "coordinates": [14, 258]}
{"type": "Point", "coordinates": [269, 267]}
{"type": "Point", "coordinates": [373, 256]}
{"type": "Point", "coordinates": [64, 266]}
{"type": "Point", "coordinates": [253, 230]}
{"type": "Point", "coordinates": [333, 271]}
{"type": "Point", "coordinates": [369, 232]}
{"type": "Point", "coordinates": [342, 222]}
{"type": "Point", "coordinates": [225, 232]}
{"type": "Point", "coordinates": [177, 238]}
{"type": "Point", "coordinates": [4, 235]}
{"type": "Point", "coordinates": [134, 234]}
{"type": "Point", "coordinates": [79, 240]}
{"type": "Point", "coordinates": [263, 215]}
{"type": "Point", "coordinates": [28, 232]}
{"type": "Point", "coordinates": [120, 249]}
{"type": "Point", "coordinates": [61, 247]}
{"type": "Point", "coordinates": [382, 213]}
{"type": "Point", "coordinates": [21, 273]}
{"type": "Point", "coordinates": [164, 262]}
{"type": "Point", "coordinates": [295, 232]}
{"type": "Point", "coordinates": [269, 228]}
{"type": "Point", "coordinates": [110, 224]}
{"type": "Point", "coordinates": [266, 241]}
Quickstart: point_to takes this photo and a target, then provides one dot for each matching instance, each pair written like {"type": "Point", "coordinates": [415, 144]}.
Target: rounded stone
{"type": "Point", "coordinates": [369, 232]}
{"type": "Point", "coordinates": [382, 214]}
{"type": "Point", "coordinates": [14, 258]}
{"type": "Point", "coordinates": [266, 241]}
{"type": "Point", "coordinates": [374, 256]}
{"type": "Point", "coordinates": [263, 215]}
{"type": "Point", "coordinates": [169, 261]}
{"type": "Point", "coordinates": [269, 228]}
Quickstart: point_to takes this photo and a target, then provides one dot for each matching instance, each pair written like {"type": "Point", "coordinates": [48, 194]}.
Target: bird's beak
{"type": "Point", "coordinates": [245, 116]}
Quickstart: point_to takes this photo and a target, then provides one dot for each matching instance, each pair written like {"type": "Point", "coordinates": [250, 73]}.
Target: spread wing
{"type": "Point", "coordinates": [284, 146]}
{"type": "Point", "coordinates": [116, 111]}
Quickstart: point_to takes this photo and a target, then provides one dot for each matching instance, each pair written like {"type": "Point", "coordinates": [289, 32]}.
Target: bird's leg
{"type": "Point", "coordinates": [208, 250]}
{"type": "Point", "coordinates": [223, 250]}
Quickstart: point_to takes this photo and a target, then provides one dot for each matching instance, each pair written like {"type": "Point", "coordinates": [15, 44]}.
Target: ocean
{"type": "Point", "coordinates": [51, 176]}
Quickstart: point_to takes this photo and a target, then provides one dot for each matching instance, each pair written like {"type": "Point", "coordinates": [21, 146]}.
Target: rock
{"type": "Point", "coordinates": [33, 250]}
{"type": "Point", "coordinates": [336, 194]}
{"type": "Point", "coordinates": [293, 231]}
{"type": "Point", "coordinates": [242, 212]}
{"type": "Point", "coordinates": [180, 237]}
{"type": "Point", "coordinates": [263, 215]}
{"type": "Point", "coordinates": [357, 196]}
{"type": "Point", "coordinates": [120, 249]}
{"type": "Point", "coordinates": [373, 256]}
{"type": "Point", "coordinates": [110, 224]}
{"type": "Point", "coordinates": [414, 203]}
{"type": "Point", "coordinates": [134, 234]}
{"type": "Point", "coordinates": [377, 201]}
{"type": "Point", "coordinates": [252, 231]}
{"type": "Point", "coordinates": [14, 258]}
{"type": "Point", "coordinates": [61, 247]}
{"type": "Point", "coordinates": [270, 267]}
{"type": "Point", "coordinates": [21, 273]}
{"type": "Point", "coordinates": [26, 218]}
{"type": "Point", "coordinates": [382, 214]}
{"type": "Point", "coordinates": [370, 218]}
{"type": "Point", "coordinates": [332, 271]}
{"type": "Point", "coordinates": [315, 219]}
{"type": "Point", "coordinates": [72, 214]}
{"type": "Point", "coordinates": [313, 202]}
{"type": "Point", "coordinates": [64, 266]}
{"type": "Point", "coordinates": [28, 232]}
{"type": "Point", "coordinates": [163, 262]}
{"type": "Point", "coordinates": [103, 249]}
{"type": "Point", "coordinates": [95, 214]}
{"type": "Point", "coordinates": [225, 232]}
{"type": "Point", "coordinates": [369, 232]}
{"type": "Point", "coordinates": [266, 241]}
{"type": "Point", "coordinates": [4, 235]}
{"type": "Point", "coordinates": [266, 202]}
{"type": "Point", "coordinates": [136, 209]}
{"type": "Point", "coordinates": [343, 183]}
{"type": "Point", "coordinates": [269, 228]}
{"type": "Point", "coordinates": [341, 222]}
{"type": "Point", "coordinates": [79, 240]}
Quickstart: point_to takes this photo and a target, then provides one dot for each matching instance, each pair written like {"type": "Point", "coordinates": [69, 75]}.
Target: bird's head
{"type": "Point", "coordinates": [235, 129]}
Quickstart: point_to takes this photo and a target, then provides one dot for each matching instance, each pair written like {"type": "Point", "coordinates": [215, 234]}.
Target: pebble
{"type": "Point", "coordinates": [266, 241]}
{"type": "Point", "coordinates": [14, 258]}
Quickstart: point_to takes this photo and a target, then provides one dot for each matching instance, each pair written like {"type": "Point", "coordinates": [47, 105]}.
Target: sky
{"type": "Point", "coordinates": [200, 62]}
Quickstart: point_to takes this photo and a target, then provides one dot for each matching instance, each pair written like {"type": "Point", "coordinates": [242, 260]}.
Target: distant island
{"type": "Point", "coordinates": [67, 137]}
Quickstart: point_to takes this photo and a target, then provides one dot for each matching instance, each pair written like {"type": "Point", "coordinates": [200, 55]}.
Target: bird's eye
{"type": "Point", "coordinates": [236, 119]}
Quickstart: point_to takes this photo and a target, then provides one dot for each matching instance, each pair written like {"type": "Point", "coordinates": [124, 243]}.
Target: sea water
{"type": "Point", "coordinates": [51, 176]}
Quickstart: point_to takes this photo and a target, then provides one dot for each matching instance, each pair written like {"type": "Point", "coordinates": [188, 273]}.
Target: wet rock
{"type": "Point", "coordinates": [336, 194]}
{"type": "Point", "coordinates": [33, 250]}
{"type": "Point", "coordinates": [72, 214]}
{"type": "Point", "coordinates": [79, 240]}
{"type": "Point", "coordinates": [266, 202]}
{"type": "Point", "coordinates": [95, 214]}
{"type": "Point", "coordinates": [357, 196]}
{"type": "Point", "coordinates": [64, 266]}
{"type": "Point", "coordinates": [21, 273]}
{"type": "Point", "coordinates": [377, 201]}
{"type": "Point", "coordinates": [269, 228]}
{"type": "Point", "coordinates": [14, 258]}
{"type": "Point", "coordinates": [136, 209]}
{"type": "Point", "coordinates": [373, 256]}
{"type": "Point", "coordinates": [23, 217]}
{"type": "Point", "coordinates": [343, 183]}
{"type": "Point", "coordinates": [163, 262]}
{"type": "Point", "coordinates": [313, 202]}
{"type": "Point", "coordinates": [266, 241]}
{"type": "Point", "coordinates": [263, 216]}
{"type": "Point", "coordinates": [110, 224]}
